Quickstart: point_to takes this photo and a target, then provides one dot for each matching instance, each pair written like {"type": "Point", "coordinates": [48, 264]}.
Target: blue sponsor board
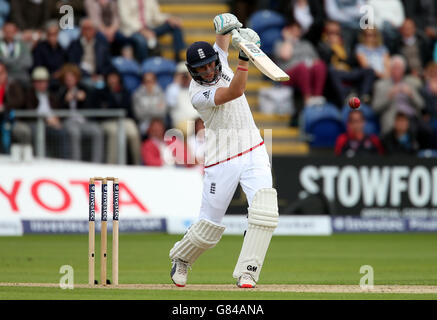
{"type": "Point", "coordinates": [356, 224]}
{"type": "Point", "coordinates": [80, 226]}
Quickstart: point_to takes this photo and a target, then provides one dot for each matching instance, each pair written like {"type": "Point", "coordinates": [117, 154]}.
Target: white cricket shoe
{"type": "Point", "coordinates": [179, 272]}
{"type": "Point", "coordinates": [246, 281]}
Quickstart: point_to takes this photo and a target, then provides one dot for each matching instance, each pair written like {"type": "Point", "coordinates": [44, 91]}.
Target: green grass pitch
{"type": "Point", "coordinates": [397, 259]}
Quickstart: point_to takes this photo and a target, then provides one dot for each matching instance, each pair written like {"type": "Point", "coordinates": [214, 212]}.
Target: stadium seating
{"type": "Point", "coordinates": [130, 72]}
{"type": "Point", "coordinates": [67, 36]}
{"type": "Point", "coordinates": [163, 68]}
{"type": "Point", "coordinates": [268, 24]}
{"type": "Point", "coordinates": [323, 124]}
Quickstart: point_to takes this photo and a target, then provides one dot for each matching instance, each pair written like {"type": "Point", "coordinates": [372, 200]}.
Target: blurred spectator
{"type": "Point", "coordinates": [68, 35]}
{"type": "Point", "coordinates": [348, 13]}
{"type": "Point", "coordinates": [143, 22]}
{"type": "Point", "coordinates": [389, 16]}
{"type": "Point", "coordinates": [342, 73]}
{"type": "Point", "coordinates": [15, 54]}
{"type": "Point", "coordinates": [429, 92]}
{"type": "Point", "coordinates": [355, 142]}
{"type": "Point", "coordinates": [397, 93]}
{"type": "Point", "coordinates": [243, 9]}
{"type": "Point", "coordinates": [49, 53]}
{"type": "Point", "coordinates": [178, 99]}
{"type": "Point", "coordinates": [196, 142]}
{"type": "Point", "coordinates": [40, 99]}
{"type": "Point", "coordinates": [105, 15]}
{"type": "Point", "coordinates": [157, 151]}
{"type": "Point", "coordinates": [148, 102]}
{"type": "Point", "coordinates": [92, 54]}
{"type": "Point", "coordinates": [310, 15]}
{"type": "Point", "coordinates": [300, 60]}
{"type": "Point", "coordinates": [371, 53]}
{"type": "Point", "coordinates": [12, 98]}
{"type": "Point", "coordinates": [30, 17]}
{"type": "Point", "coordinates": [401, 140]}
{"type": "Point", "coordinates": [115, 96]}
{"type": "Point", "coordinates": [415, 47]}
{"type": "Point", "coordinates": [424, 14]}
{"type": "Point", "coordinates": [5, 9]}
{"type": "Point", "coordinates": [74, 97]}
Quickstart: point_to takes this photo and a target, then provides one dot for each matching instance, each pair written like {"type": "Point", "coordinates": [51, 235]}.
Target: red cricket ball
{"type": "Point", "coordinates": [354, 103]}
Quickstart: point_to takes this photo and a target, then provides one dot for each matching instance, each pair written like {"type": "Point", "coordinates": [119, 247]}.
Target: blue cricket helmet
{"type": "Point", "coordinates": [199, 54]}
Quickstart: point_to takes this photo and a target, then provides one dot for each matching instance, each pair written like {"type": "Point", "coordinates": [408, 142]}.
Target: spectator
{"type": "Point", "coordinates": [115, 96]}
{"type": "Point", "coordinates": [49, 53]}
{"type": "Point", "coordinates": [301, 61]}
{"type": "Point", "coordinates": [371, 53]}
{"type": "Point", "coordinates": [401, 140]}
{"type": "Point", "coordinates": [148, 102]}
{"type": "Point", "coordinates": [424, 14]}
{"type": "Point", "coordinates": [389, 16]}
{"type": "Point", "coordinates": [143, 22]}
{"type": "Point", "coordinates": [341, 72]}
{"type": "Point", "coordinates": [105, 15]}
{"type": "Point", "coordinates": [15, 55]}
{"type": "Point", "coordinates": [30, 16]}
{"type": "Point", "coordinates": [12, 98]}
{"type": "Point", "coordinates": [347, 13]}
{"type": "Point", "coordinates": [40, 99]}
{"type": "Point", "coordinates": [414, 47]}
{"type": "Point", "coordinates": [157, 151]}
{"type": "Point", "coordinates": [178, 99]}
{"type": "Point", "coordinates": [5, 8]}
{"type": "Point", "coordinates": [429, 92]}
{"type": "Point", "coordinates": [74, 97]}
{"type": "Point", "coordinates": [308, 13]}
{"type": "Point", "coordinates": [355, 142]}
{"type": "Point", "coordinates": [397, 93]}
{"type": "Point", "coordinates": [92, 54]}
{"type": "Point", "coordinates": [68, 35]}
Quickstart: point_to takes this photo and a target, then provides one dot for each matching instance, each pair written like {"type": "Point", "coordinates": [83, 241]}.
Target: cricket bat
{"type": "Point", "coordinates": [263, 62]}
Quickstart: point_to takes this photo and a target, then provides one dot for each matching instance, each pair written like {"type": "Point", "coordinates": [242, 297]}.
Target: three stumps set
{"type": "Point", "coordinates": [104, 231]}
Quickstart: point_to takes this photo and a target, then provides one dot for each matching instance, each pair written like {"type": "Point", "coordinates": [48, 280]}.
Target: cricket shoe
{"type": "Point", "coordinates": [246, 281]}
{"type": "Point", "coordinates": [179, 272]}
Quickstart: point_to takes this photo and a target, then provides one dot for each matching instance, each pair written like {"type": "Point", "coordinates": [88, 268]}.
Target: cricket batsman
{"type": "Point", "coordinates": [235, 153]}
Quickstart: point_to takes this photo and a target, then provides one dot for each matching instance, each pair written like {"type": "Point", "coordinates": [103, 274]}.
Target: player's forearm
{"type": "Point", "coordinates": [236, 88]}
{"type": "Point", "coordinates": [238, 84]}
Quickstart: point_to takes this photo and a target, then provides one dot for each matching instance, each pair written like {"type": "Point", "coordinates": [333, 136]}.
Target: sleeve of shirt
{"type": "Point", "coordinates": [222, 55]}
{"type": "Point", "coordinates": [204, 99]}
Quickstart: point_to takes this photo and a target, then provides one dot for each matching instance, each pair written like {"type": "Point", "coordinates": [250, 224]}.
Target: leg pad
{"type": "Point", "coordinates": [262, 222]}
{"type": "Point", "coordinates": [200, 237]}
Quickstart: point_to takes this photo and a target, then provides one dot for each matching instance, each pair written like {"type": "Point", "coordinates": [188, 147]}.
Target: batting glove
{"type": "Point", "coordinates": [244, 36]}
{"type": "Point", "coordinates": [250, 35]}
{"type": "Point", "coordinates": [225, 23]}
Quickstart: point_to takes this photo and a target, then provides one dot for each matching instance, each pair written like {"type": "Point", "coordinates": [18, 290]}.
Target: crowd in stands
{"type": "Point", "coordinates": [384, 52]}
{"type": "Point", "coordinates": [44, 67]}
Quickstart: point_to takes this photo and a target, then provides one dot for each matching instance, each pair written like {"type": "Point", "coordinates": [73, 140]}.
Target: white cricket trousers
{"type": "Point", "coordinates": [252, 170]}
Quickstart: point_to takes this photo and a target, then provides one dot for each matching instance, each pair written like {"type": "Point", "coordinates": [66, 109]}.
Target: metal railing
{"type": "Point", "coordinates": [40, 146]}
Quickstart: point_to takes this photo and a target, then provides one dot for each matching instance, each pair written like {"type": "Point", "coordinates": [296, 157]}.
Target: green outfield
{"type": "Point", "coordinates": [397, 259]}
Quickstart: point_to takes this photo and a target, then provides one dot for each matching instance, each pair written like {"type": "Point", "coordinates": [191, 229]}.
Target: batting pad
{"type": "Point", "coordinates": [263, 220]}
{"type": "Point", "coordinates": [200, 237]}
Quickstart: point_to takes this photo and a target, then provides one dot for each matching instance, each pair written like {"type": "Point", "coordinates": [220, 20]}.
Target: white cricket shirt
{"type": "Point", "coordinates": [229, 128]}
